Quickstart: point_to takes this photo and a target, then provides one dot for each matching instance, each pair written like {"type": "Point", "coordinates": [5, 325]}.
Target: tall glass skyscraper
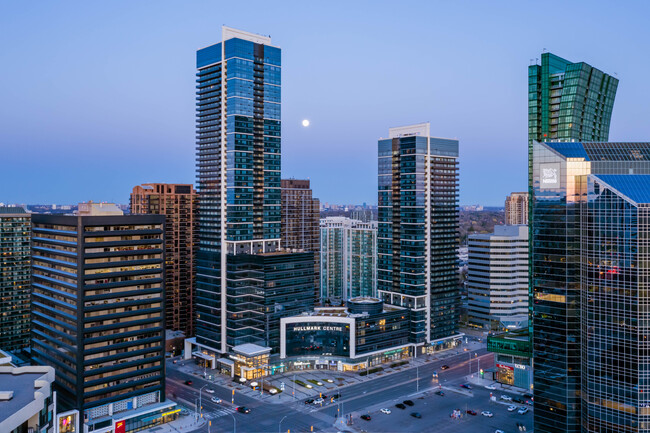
{"type": "Point", "coordinates": [560, 175]}
{"type": "Point", "coordinates": [239, 189]}
{"type": "Point", "coordinates": [417, 235]}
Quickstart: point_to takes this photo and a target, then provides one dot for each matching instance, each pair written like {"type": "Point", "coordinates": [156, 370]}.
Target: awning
{"type": "Point", "coordinates": [202, 356]}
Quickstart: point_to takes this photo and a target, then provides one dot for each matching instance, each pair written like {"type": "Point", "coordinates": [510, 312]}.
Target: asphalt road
{"type": "Point", "coordinates": [362, 398]}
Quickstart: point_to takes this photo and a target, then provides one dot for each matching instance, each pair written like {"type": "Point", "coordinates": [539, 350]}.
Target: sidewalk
{"type": "Point", "coordinates": [183, 424]}
{"type": "Point", "coordinates": [475, 380]}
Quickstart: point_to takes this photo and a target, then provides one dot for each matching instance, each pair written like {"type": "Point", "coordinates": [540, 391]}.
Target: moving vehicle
{"type": "Point", "coordinates": [506, 398]}
{"type": "Point", "coordinates": [471, 412]}
{"type": "Point", "coordinates": [319, 401]}
{"type": "Point", "coordinates": [518, 400]}
{"type": "Point", "coordinates": [243, 409]}
{"type": "Point", "coordinates": [440, 393]}
{"type": "Point", "coordinates": [522, 410]}
{"type": "Point", "coordinates": [210, 391]}
{"type": "Point", "coordinates": [385, 411]}
{"type": "Point", "coordinates": [444, 367]}
{"type": "Point", "coordinates": [188, 382]}
{"type": "Point", "coordinates": [512, 408]}
{"type": "Point", "coordinates": [309, 401]}
{"type": "Point", "coordinates": [400, 406]}
{"type": "Point", "coordinates": [487, 413]}
{"type": "Point", "coordinates": [490, 387]}
{"type": "Point", "coordinates": [215, 400]}
{"type": "Point", "coordinates": [416, 414]}
{"type": "Point", "coordinates": [408, 403]}
{"type": "Point", "coordinates": [466, 385]}
{"type": "Point", "coordinates": [366, 417]}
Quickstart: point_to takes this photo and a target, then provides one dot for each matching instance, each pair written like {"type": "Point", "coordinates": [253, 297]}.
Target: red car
{"type": "Point", "coordinates": [188, 382]}
{"type": "Point", "coordinates": [471, 412]}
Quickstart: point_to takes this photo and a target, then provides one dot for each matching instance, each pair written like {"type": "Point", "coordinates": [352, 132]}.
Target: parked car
{"type": "Point", "coordinates": [487, 413]}
{"type": "Point", "coordinates": [408, 403]}
{"type": "Point", "coordinates": [506, 398]}
{"type": "Point", "coordinates": [471, 412]}
{"type": "Point", "coordinates": [209, 391]}
{"type": "Point", "coordinates": [400, 406]}
{"type": "Point", "coordinates": [522, 410]}
{"type": "Point", "coordinates": [366, 417]}
{"type": "Point", "coordinates": [243, 409]}
{"type": "Point", "coordinates": [440, 393]}
{"type": "Point", "coordinates": [466, 385]}
{"type": "Point", "coordinates": [444, 367]}
{"type": "Point", "coordinates": [416, 414]}
{"type": "Point", "coordinates": [512, 408]}
{"type": "Point", "coordinates": [309, 401]}
{"type": "Point", "coordinates": [215, 400]}
{"type": "Point", "coordinates": [188, 382]}
{"type": "Point", "coordinates": [385, 411]}
{"type": "Point", "coordinates": [490, 387]}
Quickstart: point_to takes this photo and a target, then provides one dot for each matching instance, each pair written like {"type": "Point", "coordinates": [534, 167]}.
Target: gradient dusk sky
{"type": "Point", "coordinates": [97, 97]}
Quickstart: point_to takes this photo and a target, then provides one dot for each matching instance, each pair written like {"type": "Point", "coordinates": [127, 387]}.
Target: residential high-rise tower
{"type": "Point", "coordinates": [516, 208]}
{"type": "Point", "coordinates": [177, 202]}
{"type": "Point", "coordinates": [417, 237]}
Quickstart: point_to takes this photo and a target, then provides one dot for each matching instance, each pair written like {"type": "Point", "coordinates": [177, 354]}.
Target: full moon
{"type": "Point", "coordinates": [305, 123]}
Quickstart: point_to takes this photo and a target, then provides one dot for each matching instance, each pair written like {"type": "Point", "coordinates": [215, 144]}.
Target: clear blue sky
{"type": "Point", "coordinates": [96, 97]}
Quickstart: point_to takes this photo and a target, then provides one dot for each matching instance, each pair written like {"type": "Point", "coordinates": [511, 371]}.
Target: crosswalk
{"type": "Point", "coordinates": [218, 413]}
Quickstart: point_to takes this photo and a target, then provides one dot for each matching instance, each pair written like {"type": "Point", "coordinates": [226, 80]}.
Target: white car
{"type": "Point", "coordinates": [210, 391]}
{"type": "Point", "coordinates": [506, 397]}
{"type": "Point", "coordinates": [512, 408]}
{"type": "Point", "coordinates": [487, 413]}
{"type": "Point", "coordinates": [386, 411]}
{"type": "Point", "coordinates": [319, 401]}
{"type": "Point", "coordinates": [215, 400]}
{"type": "Point", "coordinates": [490, 387]}
{"type": "Point", "coordinates": [522, 410]}
{"type": "Point", "coordinates": [498, 431]}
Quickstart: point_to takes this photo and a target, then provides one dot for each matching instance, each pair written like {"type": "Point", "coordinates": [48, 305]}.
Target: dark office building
{"type": "Point", "coordinates": [417, 238]}
{"type": "Point", "coordinates": [98, 315]}
{"type": "Point", "coordinates": [560, 174]}
{"type": "Point", "coordinates": [15, 232]}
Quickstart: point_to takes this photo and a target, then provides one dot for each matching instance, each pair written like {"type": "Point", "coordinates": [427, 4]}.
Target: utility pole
{"type": "Point", "coordinates": [417, 380]}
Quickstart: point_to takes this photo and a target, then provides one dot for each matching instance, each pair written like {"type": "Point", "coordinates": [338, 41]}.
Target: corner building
{"type": "Point", "coordinates": [417, 236]}
{"type": "Point", "coordinates": [98, 317]}
{"type": "Point", "coordinates": [239, 207]}
{"type": "Point", "coordinates": [560, 176]}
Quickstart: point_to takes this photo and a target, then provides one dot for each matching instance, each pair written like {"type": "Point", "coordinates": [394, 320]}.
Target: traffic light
{"type": "Point", "coordinates": [320, 395]}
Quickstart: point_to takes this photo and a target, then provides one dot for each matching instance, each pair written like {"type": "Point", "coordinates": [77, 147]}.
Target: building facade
{"type": "Point", "coordinates": [497, 281]}
{"type": "Point", "coordinates": [417, 237]}
{"type": "Point", "coordinates": [177, 202]}
{"type": "Point", "coordinates": [98, 316]}
{"type": "Point", "coordinates": [239, 190]}
{"type": "Point", "coordinates": [615, 318]}
{"type": "Point", "coordinates": [15, 235]}
{"type": "Point", "coordinates": [300, 222]}
{"type": "Point", "coordinates": [348, 258]}
{"type": "Point", "coordinates": [560, 177]}
{"type": "Point", "coordinates": [516, 208]}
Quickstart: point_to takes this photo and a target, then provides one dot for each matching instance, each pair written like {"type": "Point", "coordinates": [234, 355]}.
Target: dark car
{"type": "Point", "coordinates": [466, 386]}
{"type": "Point", "coordinates": [518, 400]}
{"type": "Point", "coordinates": [336, 396]}
{"type": "Point", "coordinates": [400, 406]}
{"type": "Point", "coordinates": [243, 409]}
{"type": "Point", "coordinates": [366, 417]}
{"type": "Point", "coordinates": [408, 402]}
{"type": "Point", "coordinates": [444, 367]}
{"type": "Point", "coordinates": [528, 395]}
{"type": "Point", "coordinates": [416, 414]}
{"type": "Point", "coordinates": [309, 401]}
{"type": "Point", "coordinates": [188, 382]}
{"type": "Point", "coordinates": [440, 393]}
{"type": "Point", "coordinates": [471, 412]}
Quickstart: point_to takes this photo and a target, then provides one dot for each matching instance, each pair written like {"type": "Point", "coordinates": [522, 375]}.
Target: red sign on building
{"type": "Point", "coordinates": [120, 427]}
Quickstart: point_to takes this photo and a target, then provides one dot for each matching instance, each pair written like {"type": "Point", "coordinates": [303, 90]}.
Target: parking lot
{"type": "Point", "coordinates": [436, 414]}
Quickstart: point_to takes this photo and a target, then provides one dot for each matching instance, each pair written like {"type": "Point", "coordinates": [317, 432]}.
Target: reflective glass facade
{"type": "Point", "coordinates": [615, 304]}
{"type": "Point", "coordinates": [15, 234]}
{"type": "Point", "coordinates": [560, 187]}
{"type": "Point", "coordinates": [417, 234]}
{"type": "Point", "coordinates": [98, 306]}
{"type": "Point", "coordinates": [238, 167]}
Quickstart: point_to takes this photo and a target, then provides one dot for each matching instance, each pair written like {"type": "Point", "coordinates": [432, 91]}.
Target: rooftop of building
{"type": "Point", "coordinates": [250, 349]}
{"type": "Point", "coordinates": [12, 210]}
{"type": "Point", "coordinates": [635, 187]}
{"type": "Point", "coordinates": [96, 209]}
{"type": "Point", "coordinates": [19, 387]}
{"type": "Point", "coordinates": [503, 231]}
{"type": "Point", "coordinates": [343, 311]}
{"type": "Point", "coordinates": [602, 151]}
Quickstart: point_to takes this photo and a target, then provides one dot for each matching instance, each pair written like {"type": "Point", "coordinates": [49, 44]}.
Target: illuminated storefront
{"type": "Point", "coordinates": [251, 361]}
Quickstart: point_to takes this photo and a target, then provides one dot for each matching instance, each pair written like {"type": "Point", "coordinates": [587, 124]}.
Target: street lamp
{"type": "Point", "coordinates": [280, 424]}
{"type": "Point", "coordinates": [234, 421]}
{"type": "Point", "coordinates": [200, 403]}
